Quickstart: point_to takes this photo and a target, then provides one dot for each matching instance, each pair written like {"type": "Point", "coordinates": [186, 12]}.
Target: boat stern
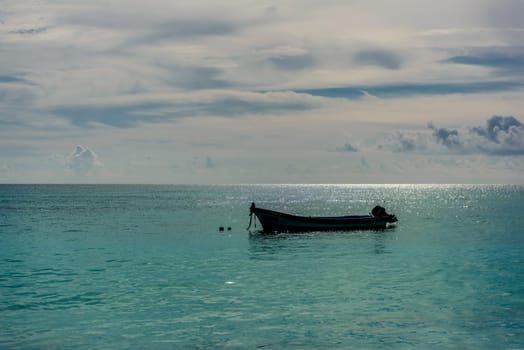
{"type": "Point", "coordinates": [380, 212]}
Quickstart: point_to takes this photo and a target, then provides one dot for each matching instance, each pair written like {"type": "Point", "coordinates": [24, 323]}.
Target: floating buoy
{"type": "Point", "coordinates": [221, 228]}
{"type": "Point", "coordinates": [229, 228]}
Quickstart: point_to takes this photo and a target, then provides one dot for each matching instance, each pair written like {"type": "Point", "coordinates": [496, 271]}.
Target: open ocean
{"type": "Point", "coordinates": [145, 267]}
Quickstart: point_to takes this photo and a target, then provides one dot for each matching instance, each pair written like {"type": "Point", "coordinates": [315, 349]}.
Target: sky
{"type": "Point", "coordinates": [244, 91]}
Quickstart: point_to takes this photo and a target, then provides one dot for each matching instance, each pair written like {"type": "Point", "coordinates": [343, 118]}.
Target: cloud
{"type": "Point", "coordinates": [504, 14]}
{"type": "Point", "coordinates": [191, 28]}
{"type": "Point", "coordinates": [414, 89]}
{"type": "Point", "coordinates": [182, 29]}
{"type": "Point", "coordinates": [145, 109]}
{"type": "Point", "coordinates": [347, 147]}
{"type": "Point", "coordinates": [447, 137]}
{"type": "Point", "coordinates": [499, 60]}
{"type": "Point", "coordinates": [400, 142]}
{"type": "Point", "coordinates": [199, 78]}
{"type": "Point", "coordinates": [497, 125]}
{"type": "Point", "coordinates": [288, 58]}
{"type": "Point", "coordinates": [28, 31]}
{"type": "Point", "coordinates": [17, 97]}
{"type": "Point", "coordinates": [172, 20]}
{"type": "Point", "coordinates": [84, 162]}
{"type": "Point", "coordinates": [94, 50]}
{"type": "Point", "coordinates": [120, 116]}
{"type": "Point", "coordinates": [12, 79]}
{"type": "Point", "coordinates": [380, 58]}
{"type": "Point", "coordinates": [111, 72]}
{"type": "Point", "coordinates": [501, 136]}
{"type": "Point", "coordinates": [507, 60]}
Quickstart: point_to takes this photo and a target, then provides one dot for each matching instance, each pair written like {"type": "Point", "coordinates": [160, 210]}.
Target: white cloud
{"type": "Point", "coordinates": [84, 162]}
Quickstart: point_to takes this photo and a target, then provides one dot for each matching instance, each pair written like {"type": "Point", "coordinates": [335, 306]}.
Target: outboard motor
{"type": "Point", "coordinates": [380, 212]}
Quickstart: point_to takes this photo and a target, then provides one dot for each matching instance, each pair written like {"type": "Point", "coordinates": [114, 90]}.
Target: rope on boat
{"type": "Point", "coordinates": [250, 219]}
{"type": "Point", "coordinates": [251, 214]}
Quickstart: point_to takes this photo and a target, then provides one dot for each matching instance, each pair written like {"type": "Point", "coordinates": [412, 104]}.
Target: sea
{"type": "Point", "coordinates": [147, 267]}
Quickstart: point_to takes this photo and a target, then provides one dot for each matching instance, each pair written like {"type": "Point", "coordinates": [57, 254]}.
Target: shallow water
{"type": "Point", "coordinates": [119, 267]}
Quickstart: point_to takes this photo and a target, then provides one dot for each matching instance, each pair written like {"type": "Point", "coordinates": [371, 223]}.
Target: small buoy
{"type": "Point", "coordinates": [229, 228]}
{"type": "Point", "coordinates": [221, 228]}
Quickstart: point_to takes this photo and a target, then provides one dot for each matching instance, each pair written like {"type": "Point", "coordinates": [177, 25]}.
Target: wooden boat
{"type": "Point", "coordinates": [274, 221]}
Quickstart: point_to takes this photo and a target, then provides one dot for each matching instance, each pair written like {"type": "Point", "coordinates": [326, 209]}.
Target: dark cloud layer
{"type": "Point", "coordinates": [130, 115]}
{"type": "Point", "coordinates": [11, 79]}
{"type": "Point", "coordinates": [28, 31]}
{"type": "Point", "coordinates": [505, 60]}
{"type": "Point", "coordinates": [490, 59]}
{"type": "Point", "coordinates": [399, 90]}
{"type": "Point", "coordinates": [117, 116]}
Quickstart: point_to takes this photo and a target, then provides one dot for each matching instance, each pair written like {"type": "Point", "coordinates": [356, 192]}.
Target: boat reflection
{"type": "Point", "coordinates": [317, 244]}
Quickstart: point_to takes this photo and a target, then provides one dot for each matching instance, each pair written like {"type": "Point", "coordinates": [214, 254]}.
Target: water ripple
{"type": "Point", "coordinates": [75, 275]}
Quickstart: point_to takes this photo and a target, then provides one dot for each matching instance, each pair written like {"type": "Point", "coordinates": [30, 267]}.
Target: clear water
{"type": "Point", "coordinates": [145, 267]}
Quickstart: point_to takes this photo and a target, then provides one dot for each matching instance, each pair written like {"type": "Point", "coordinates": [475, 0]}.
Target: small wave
{"type": "Point", "coordinates": [117, 260]}
{"type": "Point", "coordinates": [97, 269]}
{"type": "Point", "coordinates": [73, 230]}
{"type": "Point", "coordinates": [57, 302]}
{"type": "Point", "coordinates": [47, 272]}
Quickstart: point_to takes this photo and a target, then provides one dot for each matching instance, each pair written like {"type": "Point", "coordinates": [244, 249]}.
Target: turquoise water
{"type": "Point", "coordinates": [145, 267]}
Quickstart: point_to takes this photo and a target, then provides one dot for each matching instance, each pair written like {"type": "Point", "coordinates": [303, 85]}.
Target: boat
{"type": "Point", "coordinates": [274, 221]}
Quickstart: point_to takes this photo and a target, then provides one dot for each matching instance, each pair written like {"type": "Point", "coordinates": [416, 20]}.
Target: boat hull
{"type": "Point", "coordinates": [273, 221]}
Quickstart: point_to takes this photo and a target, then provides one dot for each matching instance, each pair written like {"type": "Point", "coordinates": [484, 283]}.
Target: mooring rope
{"type": "Point", "coordinates": [251, 214]}
{"type": "Point", "coordinates": [250, 219]}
